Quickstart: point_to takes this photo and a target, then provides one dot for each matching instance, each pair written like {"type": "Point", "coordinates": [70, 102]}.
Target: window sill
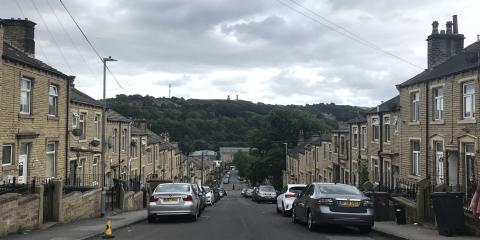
{"type": "Point", "coordinates": [387, 143]}
{"type": "Point", "coordinates": [437, 122]}
{"type": "Point", "coordinates": [8, 167]}
{"type": "Point", "coordinates": [467, 121]}
{"type": "Point", "coordinates": [416, 177]}
{"type": "Point", "coordinates": [53, 118]}
{"type": "Point", "coordinates": [83, 141]}
{"type": "Point", "coordinates": [25, 116]}
{"type": "Point", "coordinates": [413, 123]}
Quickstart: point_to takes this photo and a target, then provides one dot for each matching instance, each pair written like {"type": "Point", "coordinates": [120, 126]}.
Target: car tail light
{"type": "Point", "coordinates": [289, 194]}
{"type": "Point", "coordinates": [188, 198]}
{"type": "Point", "coordinates": [325, 201]}
{"type": "Point", "coordinates": [367, 203]}
{"type": "Point", "coordinates": [152, 199]}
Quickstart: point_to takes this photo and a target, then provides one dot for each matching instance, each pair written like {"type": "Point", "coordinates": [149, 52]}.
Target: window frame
{"type": "Point", "coordinates": [28, 93]}
{"type": "Point", "coordinates": [387, 129]}
{"type": "Point", "coordinates": [95, 171]}
{"type": "Point", "coordinates": [124, 139]}
{"type": "Point", "coordinates": [415, 106]}
{"type": "Point", "coordinates": [472, 100]}
{"type": "Point", "coordinates": [355, 137]}
{"type": "Point", "coordinates": [439, 157]}
{"type": "Point", "coordinates": [375, 129]}
{"type": "Point", "coordinates": [96, 125]}
{"type": "Point", "coordinates": [54, 98]}
{"type": "Point", "coordinates": [415, 157]}
{"type": "Point", "coordinates": [438, 103]}
{"type": "Point", "coordinates": [54, 159]}
{"type": "Point", "coordinates": [82, 124]}
{"type": "Point", "coordinates": [364, 137]}
{"type": "Point", "coordinates": [467, 155]}
{"type": "Point", "coordinates": [11, 154]}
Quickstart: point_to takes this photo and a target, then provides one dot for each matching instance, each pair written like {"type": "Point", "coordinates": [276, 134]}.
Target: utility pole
{"type": "Point", "coordinates": [201, 178]}
{"type": "Point", "coordinates": [286, 162]}
{"type": "Point", "coordinates": [104, 141]}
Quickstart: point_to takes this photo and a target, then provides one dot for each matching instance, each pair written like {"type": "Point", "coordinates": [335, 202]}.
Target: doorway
{"type": "Point", "coordinates": [23, 163]}
{"type": "Point", "coordinates": [453, 169]}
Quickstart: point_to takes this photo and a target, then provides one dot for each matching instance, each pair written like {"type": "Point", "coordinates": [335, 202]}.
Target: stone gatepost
{"type": "Point", "coordinates": [39, 189]}
{"type": "Point", "coordinates": [58, 200]}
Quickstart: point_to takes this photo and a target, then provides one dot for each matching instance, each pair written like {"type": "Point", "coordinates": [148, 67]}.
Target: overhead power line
{"type": "Point", "coordinates": [91, 45]}
{"type": "Point", "coordinates": [52, 36]}
{"type": "Point", "coordinates": [342, 30]}
{"type": "Point", "coordinates": [39, 44]}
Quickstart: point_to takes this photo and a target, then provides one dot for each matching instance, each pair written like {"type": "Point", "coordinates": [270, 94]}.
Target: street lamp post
{"type": "Point", "coordinates": [286, 162]}
{"type": "Point", "coordinates": [104, 142]}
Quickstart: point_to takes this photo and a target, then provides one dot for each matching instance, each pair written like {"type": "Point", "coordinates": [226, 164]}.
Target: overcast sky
{"type": "Point", "coordinates": [259, 49]}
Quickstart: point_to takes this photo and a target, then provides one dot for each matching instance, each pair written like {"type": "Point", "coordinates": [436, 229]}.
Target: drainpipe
{"type": "Point", "coordinates": [120, 147]}
{"type": "Point", "coordinates": [129, 148]}
{"type": "Point", "coordinates": [380, 157]}
{"type": "Point", "coordinates": [427, 130]}
{"type": "Point", "coordinates": [350, 153]}
{"type": "Point", "coordinates": [359, 156]}
{"type": "Point", "coordinates": [67, 131]}
{"type": "Point", "coordinates": [140, 166]}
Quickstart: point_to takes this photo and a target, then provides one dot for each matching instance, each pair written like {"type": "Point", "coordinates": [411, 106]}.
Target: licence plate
{"type": "Point", "coordinates": [349, 203]}
{"type": "Point", "coordinates": [169, 200]}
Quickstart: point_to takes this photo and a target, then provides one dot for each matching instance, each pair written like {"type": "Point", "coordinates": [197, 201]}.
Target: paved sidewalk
{"type": "Point", "coordinates": [83, 229]}
{"type": "Point", "coordinates": [413, 232]}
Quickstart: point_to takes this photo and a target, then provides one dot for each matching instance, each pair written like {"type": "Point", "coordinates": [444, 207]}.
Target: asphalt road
{"type": "Point", "coordinates": [235, 217]}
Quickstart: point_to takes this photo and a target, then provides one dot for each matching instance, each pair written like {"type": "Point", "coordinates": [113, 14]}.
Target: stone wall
{"type": "Point", "coordinates": [132, 201]}
{"type": "Point", "coordinates": [79, 205]}
{"type": "Point", "coordinates": [18, 211]}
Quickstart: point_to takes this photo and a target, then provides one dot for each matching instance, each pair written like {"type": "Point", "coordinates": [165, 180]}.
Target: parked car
{"type": "Point", "coordinates": [248, 193]}
{"type": "Point", "coordinates": [242, 193]}
{"type": "Point", "coordinates": [201, 196]}
{"type": "Point", "coordinates": [333, 203]}
{"type": "Point", "coordinates": [222, 192]}
{"type": "Point", "coordinates": [209, 195]}
{"type": "Point", "coordinates": [226, 180]}
{"type": "Point", "coordinates": [173, 199]}
{"type": "Point", "coordinates": [265, 193]}
{"type": "Point", "coordinates": [287, 196]}
{"type": "Point", "coordinates": [216, 194]}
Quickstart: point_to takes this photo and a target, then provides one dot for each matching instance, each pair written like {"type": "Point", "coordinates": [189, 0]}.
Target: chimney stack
{"type": "Point", "coordinates": [449, 27]}
{"type": "Point", "coordinates": [444, 45]}
{"type": "Point", "coordinates": [455, 24]}
{"type": "Point", "coordinates": [140, 124]}
{"type": "Point", "coordinates": [20, 33]}
{"type": "Point", "coordinates": [435, 27]}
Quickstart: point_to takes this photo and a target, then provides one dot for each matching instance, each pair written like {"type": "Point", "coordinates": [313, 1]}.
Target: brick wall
{"type": "Point", "coordinates": [79, 205]}
{"type": "Point", "coordinates": [18, 211]}
{"type": "Point", "coordinates": [38, 125]}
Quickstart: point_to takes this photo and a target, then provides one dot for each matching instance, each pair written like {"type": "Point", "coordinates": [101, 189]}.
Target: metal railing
{"type": "Point", "coordinates": [13, 186]}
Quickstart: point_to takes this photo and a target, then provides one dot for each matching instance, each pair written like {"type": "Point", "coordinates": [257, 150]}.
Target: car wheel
{"type": "Point", "coordinates": [151, 219]}
{"type": "Point", "coordinates": [294, 216]}
{"type": "Point", "coordinates": [365, 229]}
{"type": "Point", "coordinates": [310, 225]}
{"type": "Point", "coordinates": [278, 210]}
{"type": "Point", "coordinates": [194, 217]}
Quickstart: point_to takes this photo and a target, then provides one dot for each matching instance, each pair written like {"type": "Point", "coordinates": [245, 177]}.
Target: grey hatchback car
{"type": "Point", "coordinates": [174, 199]}
{"type": "Point", "coordinates": [333, 203]}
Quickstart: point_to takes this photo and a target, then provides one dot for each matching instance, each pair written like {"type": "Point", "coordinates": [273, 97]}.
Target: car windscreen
{"type": "Point", "coordinates": [267, 189]}
{"type": "Point", "coordinates": [296, 190]}
{"type": "Point", "coordinates": [167, 188]}
{"type": "Point", "coordinates": [207, 189]}
{"type": "Point", "coordinates": [338, 189]}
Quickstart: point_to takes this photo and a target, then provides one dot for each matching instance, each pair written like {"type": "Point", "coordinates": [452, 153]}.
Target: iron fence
{"type": "Point", "coordinates": [401, 187]}
{"type": "Point", "coordinates": [13, 186]}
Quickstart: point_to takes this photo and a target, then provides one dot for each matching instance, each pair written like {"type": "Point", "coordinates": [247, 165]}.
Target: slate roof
{"type": "Point", "coordinates": [79, 97]}
{"type": "Point", "coordinates": [153, 137]}
{"type": "Point", "coordinates": [138, 132]}
{"type": "Point", "coordinates": [388, 106]}
{"type": "Point", "coordinates": [14, 54]}
{"type": "Point", "coordinates": [359, 119]}
{"type": "Point", "coordinates": [467, 59]}
{"type": "Point", "coordinates": [116, 117]}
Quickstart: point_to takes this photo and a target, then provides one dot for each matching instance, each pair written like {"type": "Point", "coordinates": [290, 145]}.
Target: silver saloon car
{"type": "Point", "coordinates": [173, 199]}
{"type": "Point", "coordinates": [333, 203]}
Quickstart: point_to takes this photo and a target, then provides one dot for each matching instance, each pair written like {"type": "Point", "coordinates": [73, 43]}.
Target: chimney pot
{"type": "Point", "coordinates": [449, 27]}
{"type": "Point", "coordinates": [435, 27]}
{"type": "Point", "coordinates": [455, 24]}
{"type": "Point", "coordinates": [21, 34]}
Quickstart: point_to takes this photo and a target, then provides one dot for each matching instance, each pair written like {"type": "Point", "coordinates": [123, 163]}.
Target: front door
{"type": "Point", "coordinates": [23, 164]}
{"type": "Point", "coordinates": [453, 169]}
{"type": "Point", "coordinates": [73, 172]}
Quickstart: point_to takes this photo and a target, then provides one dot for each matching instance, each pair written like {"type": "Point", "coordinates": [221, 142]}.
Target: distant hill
{"type": "Point", "coordinates": [208, 124]}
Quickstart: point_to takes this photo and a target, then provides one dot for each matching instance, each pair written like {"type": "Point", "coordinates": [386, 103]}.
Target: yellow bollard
{"type": "Point", "coordinates": [108, 230]}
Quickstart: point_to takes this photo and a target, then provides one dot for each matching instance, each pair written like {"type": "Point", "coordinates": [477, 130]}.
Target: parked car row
{"type": "Point", "coordinates": [262, 193]}
{"type": "Point", "coordinates": [326, 204]}
{"type": "Point", "coordinates": [184, 199]}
